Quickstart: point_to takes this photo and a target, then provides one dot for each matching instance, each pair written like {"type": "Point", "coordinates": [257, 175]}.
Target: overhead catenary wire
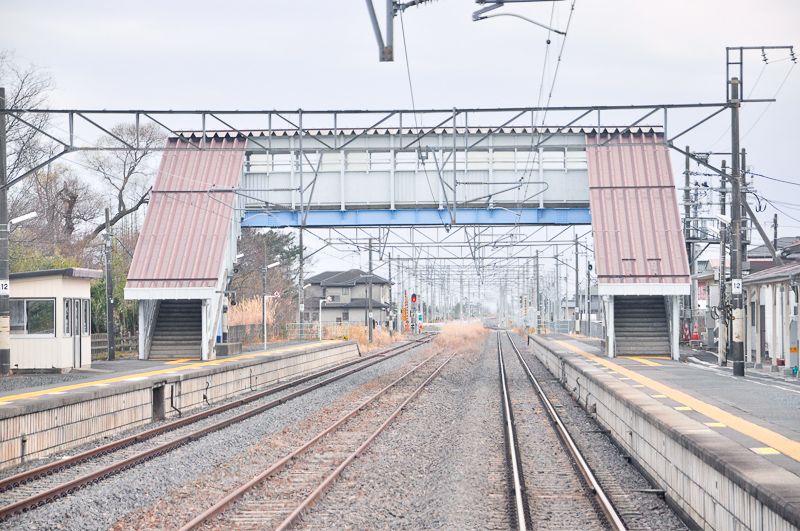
{"type": "Point", "coordinates": [414, 112]}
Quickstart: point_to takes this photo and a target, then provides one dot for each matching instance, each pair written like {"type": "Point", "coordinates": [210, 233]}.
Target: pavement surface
{"type": "Point", "coordinates": [760, 411]}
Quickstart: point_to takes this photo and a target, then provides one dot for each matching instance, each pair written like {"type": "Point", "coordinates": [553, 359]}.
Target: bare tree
{"type": "Point", "coordinates": [128, 174]}
{"type": "Point", "coordinates": [26, 88]}
{"type": "Point", "coordinates": [64, 203]}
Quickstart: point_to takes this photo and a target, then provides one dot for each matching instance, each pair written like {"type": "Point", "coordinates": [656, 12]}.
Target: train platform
{"type": "Point", "coordinates": [40, 384]}
{"type": "Point", "coordinates": [40, 416]}
{"type": "Point", "coordinates": [744, 428]}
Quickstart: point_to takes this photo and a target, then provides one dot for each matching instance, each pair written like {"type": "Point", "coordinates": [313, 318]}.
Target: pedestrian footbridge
{"type": "Point", "coordinates": [210, 185]}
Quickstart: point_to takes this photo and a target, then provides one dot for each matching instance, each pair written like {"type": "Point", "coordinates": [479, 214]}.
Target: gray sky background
{"type": "Point", "coordinates": [315, 54]}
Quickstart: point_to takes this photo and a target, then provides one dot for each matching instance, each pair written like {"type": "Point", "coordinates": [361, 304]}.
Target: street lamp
{"type": "Point", "coordinates": [329, 298]}
{"type": "Point", "coordinates": [24, 217]}
{"type": "Point", "coordinates": [275, 295]}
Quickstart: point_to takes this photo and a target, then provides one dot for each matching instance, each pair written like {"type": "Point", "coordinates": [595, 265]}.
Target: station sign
{"type": "Point", "coordinates": [736, 286]}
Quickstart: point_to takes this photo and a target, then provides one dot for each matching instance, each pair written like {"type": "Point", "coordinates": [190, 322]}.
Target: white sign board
{"type": "Point", "coordinates": [736, 286]}
{"type": "Point", "coordinates": [4, 287]}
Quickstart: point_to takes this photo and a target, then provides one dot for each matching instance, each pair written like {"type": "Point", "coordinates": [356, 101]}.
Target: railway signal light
{"type": "Point", "coordinates": [413, 297]}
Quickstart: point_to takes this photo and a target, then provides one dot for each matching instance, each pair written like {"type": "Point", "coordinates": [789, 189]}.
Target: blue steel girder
{"type": "Point", "coordinates": [418, 217]}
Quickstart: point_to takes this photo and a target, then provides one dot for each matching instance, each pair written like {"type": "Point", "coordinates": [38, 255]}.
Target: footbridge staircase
{"type": "Point", "coordinates": [642, 265]}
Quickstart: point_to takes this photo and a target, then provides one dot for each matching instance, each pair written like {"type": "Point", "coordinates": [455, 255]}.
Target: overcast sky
{"type": "Point", "coordinates": [321, 54]}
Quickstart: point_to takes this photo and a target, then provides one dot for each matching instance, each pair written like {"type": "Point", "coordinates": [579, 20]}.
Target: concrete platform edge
{"type": "Point", "coordinates": [694, 486]}
{"type": "Point", "coordinates": [54, 423]}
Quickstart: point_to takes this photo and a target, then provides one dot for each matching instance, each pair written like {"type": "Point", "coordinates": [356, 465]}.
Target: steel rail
{"type": "Point", "coordinates": [314, 496]}
{"type": "Point", "coordinates": [277, 466]}
{"type": "Point", "coordinates": [605, 504]}
{"type": "Point", "coordinates": [62, 490]}
{"type": "Point", "coordinates": [511, 442]}
{"type": "Point", "coordinates": [22, 478]}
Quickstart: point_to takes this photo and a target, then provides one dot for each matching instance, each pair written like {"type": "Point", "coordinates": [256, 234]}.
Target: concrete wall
{"type": "Point", "coordinates": [83, 415]}
{"type": "Point", "coordinates": [711, 480]}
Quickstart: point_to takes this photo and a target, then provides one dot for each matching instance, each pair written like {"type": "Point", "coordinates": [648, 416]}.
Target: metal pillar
{"type": "Point", "coordinates": [369, 293]}
{"type": "Point", "coordinates": [576, 316]}
{"type": "Point", "coordinates": [109, 293]}
{"type": "Point", "coordinates": [389, 320]}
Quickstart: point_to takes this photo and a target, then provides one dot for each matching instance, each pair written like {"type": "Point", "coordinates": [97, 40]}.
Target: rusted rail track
{"type": "Point", "coordinates": [345, 439]}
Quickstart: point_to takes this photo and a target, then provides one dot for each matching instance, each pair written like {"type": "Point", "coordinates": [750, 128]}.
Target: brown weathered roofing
{"type": "Point", "coordinates": [74, 272]}
{"type": "Point", "coordinates": [635, 221]}
{"type": "Point", "coordinates": [182, 243]}
{"type": "Point", "coordinates": [345, 278]}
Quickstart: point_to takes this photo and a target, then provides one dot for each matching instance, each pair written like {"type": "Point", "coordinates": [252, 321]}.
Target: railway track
{"type": "Point", "coordinates": [48, 483]}
{"type": "Point", "coordinates": [277, 496]}
{"type": "Point", "coordinates": [561, 490]}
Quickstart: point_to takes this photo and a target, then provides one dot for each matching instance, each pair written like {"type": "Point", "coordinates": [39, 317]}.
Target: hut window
{"type": "Point", "coordinates": [33, 317]}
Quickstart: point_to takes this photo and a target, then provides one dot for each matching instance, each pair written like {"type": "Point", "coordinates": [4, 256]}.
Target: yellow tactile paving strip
{"type": "Point", "coordinates": [143, 375]}
{"type": "Point", "coordinates": [775, 440]}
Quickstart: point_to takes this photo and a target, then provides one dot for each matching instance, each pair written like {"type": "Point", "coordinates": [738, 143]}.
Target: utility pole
{"type": "Point", "coordinates": [687, 223]}
{"type": "Point", "coordinates": [722, 337]}
{"type": "Point", "coordinates": [775, 232]}
{"type": "Point", "coordinates": [558, 291]}
{"type": "Point", "coordinates": [588, 296]}
{"type": "Point", "coordinates": [369, 294]}
{"type": "Point", "coordinates": [737, 346]}
{"type": "Point", "coordinates": [109, 292]}
{"type": "Point", "coordinates": [391, 325]}
{"type": "Point", "coordinates": [5, 305]}
{"type": "Point", "coordinates": [461, 298]}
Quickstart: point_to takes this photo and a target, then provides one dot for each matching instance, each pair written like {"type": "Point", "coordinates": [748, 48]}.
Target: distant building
{"type": "Point", "coordinates": [349, 293]}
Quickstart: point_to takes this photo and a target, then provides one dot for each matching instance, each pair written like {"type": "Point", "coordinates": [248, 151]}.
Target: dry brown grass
{"type": "Point", "coordinates": [380, 338]}
{"type": "Point", "coordinates": [248, 312]}
{"type": "Point", "coordinates": [462, 336]}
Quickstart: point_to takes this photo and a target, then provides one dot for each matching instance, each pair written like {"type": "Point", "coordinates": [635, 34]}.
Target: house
{"type": "Point", "coordinates": [349, 297]}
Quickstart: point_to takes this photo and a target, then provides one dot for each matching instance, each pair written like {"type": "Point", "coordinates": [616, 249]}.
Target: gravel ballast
{"type": "Point", "coordinates": [439, 465]}
{"type": "Point", "coordinates": [102, 505]}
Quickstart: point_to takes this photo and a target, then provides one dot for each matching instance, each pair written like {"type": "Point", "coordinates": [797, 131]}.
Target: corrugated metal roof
{"type": "Point", "coordinates": [415, 131]}
{"type": "Point", "coordinates": [182, 243]}
{"type": "Point", "coordinates": [773, 274]}
{"type": "Point", "coordinates": [637, 229]}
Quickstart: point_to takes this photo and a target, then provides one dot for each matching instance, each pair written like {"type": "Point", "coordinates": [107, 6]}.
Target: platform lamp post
{"type": "Point", "coordinates": [329, 298]}
{"type": "Point", "coordinates": [275, 295]}
{"type": "Point", "coordinates": [302, 309]}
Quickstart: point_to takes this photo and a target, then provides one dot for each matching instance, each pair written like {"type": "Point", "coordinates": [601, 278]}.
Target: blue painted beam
{"type": "Point", "coordinates": [419, 217]}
